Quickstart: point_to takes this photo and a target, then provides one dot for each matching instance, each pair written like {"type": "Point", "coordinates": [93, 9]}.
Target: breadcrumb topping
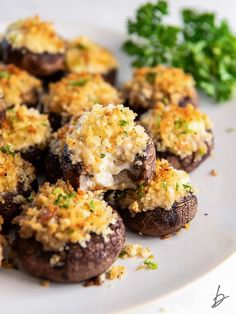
{"type": "Point", "coordinates": [106, 141]}
{"type": "Point", "coordinates": [116, 272]}
{"type": "Point", "coordinates": [151, 85]}
{"type": "Point", "coordinates": [17, 85]}
{"type": "Point", "coordinates": [34, 34]}
{"type": "Point", "coordinates": [24, 127]}
{"type": "Point", "coordinates": [59, 215]}
{"type": "Point", "coordinates": [14, 170]}
{"type": "Point", "coordinates": [182, 131]}
{"type": "Point", "coordinates": [83, 55]}
{"type": "Point", "coordinates": [77, 93]}
{"type": "Point", "coordinates": [168, 186]}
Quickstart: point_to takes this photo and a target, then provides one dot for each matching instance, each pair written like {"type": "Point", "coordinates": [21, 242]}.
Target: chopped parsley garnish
{"type": "Point", "coordinates": [7, 150]}
{"type": "Point", "coordinates": [78, 83]}
{"type": "Point", "coordinates": [177, 187]}
{"type": "Point", "coordinates": [158, 121]}
{"type": "Point", "coordinates": [188, 188]}
{"type": "Point", "coordinates": [122, 254]}
{"type": "Point", "coordinates": [150, 263]}
{"type": "Point", "coordinates": [63, 199]}
{"type": "Point", "coordinates": [202, 45]}
{"type": "Point", "coordinates": [70, 231]}
{"type": "Point", "coordinates": [140, 191]}
{"type": "Point", "coordinates": [4, 74]}
{"type": "Point", "coordinates": [31, 197]}
{"type": "Point", "coordinates": [91, 205]}
{"type": "Point", "coordinates": [102, 156]}
{"type": "Point", "coordinates": [150, 77]}
{"type": "Point", "coordinates": [123, 123]}
{"type": "Point", "coordinates": [81, 47]}
{"type": "Point", "coordinates": [164, 185]}
{"type": "Point", "coordinates": [230, 130]}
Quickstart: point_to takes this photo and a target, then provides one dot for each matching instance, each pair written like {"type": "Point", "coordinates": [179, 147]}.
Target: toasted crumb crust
{"type": "Point", "coordinates": [106, 141]}
{"type": "Point", "coordinates": [59, 215]}
{"type": "Point", "coordinates": [15, 171]}
{"type": "Point", "coordinates": [182, 131]}
{"type": "Point", "coordinates": [77, 93]}
{"type": "Point", "coordinates": [166, 84]}
{"type": "Point", "coordinates": [168, 186]}
{"type": "Point", "coordinates": [35, 35]}
{"type": "Point", "coordinates": [83, 55]}
{"type": "Point", "coordinates": [24, 128]}
{"type": "Point", "coordinates": [18, 87]}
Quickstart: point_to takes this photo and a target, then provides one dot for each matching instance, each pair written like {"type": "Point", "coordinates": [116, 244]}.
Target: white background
{"type": "Point", "coordinates": [198, 297]}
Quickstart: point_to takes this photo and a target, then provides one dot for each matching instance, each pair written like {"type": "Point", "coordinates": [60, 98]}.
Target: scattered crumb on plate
{"type": "Point", "coordinates": [116, 272]}
{"type": "Point", "coordinates": [45, 283]}
{"type": "Point", "coordinates": [135, 250]}
{"type": "Point", "coordinates": [213, 173]}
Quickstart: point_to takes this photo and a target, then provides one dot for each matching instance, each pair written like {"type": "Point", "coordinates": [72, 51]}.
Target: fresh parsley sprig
{"type": "Point", "coordinates": [202, 46]}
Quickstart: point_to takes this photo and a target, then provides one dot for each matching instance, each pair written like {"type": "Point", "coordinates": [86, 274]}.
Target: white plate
{"type": "Point", "coordinates": [181, 259]}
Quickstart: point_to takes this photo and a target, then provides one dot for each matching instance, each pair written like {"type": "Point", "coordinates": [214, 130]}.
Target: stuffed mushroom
{"type": "Point", "coordinates": [17, 181]}
{"type": "Point", "coordinates": [34, 46]}
{"type": "Point", "coordinates": [18, 87]}
{"type": "Point", "coordinates": [26, 131]}
{"type": "Point", "coordinates": [159, 84]}
{"type": "Point", "coordinates": [83, 55]}
{"type": "Point", "coordinates": [106, 150]}
{"type": "Point", "coordinates": [160, 207]}
{"type": "Point", "coordinates": [68, 235]}
{"type": "Point", "coordinates": [183, 135]}
{"type": "Point", "coordinates": [75, 94]}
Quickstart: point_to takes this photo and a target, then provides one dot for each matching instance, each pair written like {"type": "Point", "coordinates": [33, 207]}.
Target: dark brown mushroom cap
{"type": "Point", "coordinates": [159, 221]}
{"type": "Point", "coordinates": [77, 263]}
{"type": "Point", "coordinates": [38, 64]}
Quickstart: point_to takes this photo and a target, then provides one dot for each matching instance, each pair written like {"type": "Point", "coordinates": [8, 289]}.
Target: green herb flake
{"type": "Point", "coordinates": [122, 254]}
{"type": "Point", "coordinates": [7, 150]}
{"type": "Point", "coordinates": [31, 197]}
{"type": "Point", "coordinates": [158, 121]}
{"type": "Point", "coordinates": [150, 77]}
{"type": "Point", "coordinates": [4, 74]}
{"type": "Point", "coordinates": [150, 263]}
{"type": "Point", "coordinates": [140, 191]}
{"type": "Point", "coordinates": [230, 130]}
{"type": "Point", "coordinates": [92, 206]}
{"type": "Point", "coordinates": [70, 231]}
{"type": "Point", "coordinates": [102, 156]}
{"type": "Point", "coordinates": [81, 47]}
{"type": "Point", "coordinates": [177, 187]}
{"type": "Point", "coordinates": [63, 199]}
{"type": "Point", "coordinates": [123, 123]}
{"type": "Point", "coordinates": [188, 188]}
{"type": "Point", "coordinates": [164, 185]}
{"type": "Point", "coordinates": [78, 83]}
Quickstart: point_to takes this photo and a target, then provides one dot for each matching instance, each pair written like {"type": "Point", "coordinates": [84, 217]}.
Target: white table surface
{"type": "Point", "coordinates": [197, 298]}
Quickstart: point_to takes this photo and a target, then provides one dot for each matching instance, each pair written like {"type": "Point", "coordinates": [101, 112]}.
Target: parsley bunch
{"type": "Point", "coordinates": [202, 46]}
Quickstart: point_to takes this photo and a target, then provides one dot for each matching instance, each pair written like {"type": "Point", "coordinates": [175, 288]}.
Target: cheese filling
{"type": "Point", "coordinates": [35, 35]}
{"type": "Point", "coordinates": [24, 128]}
{"type": "Point", "coordinates": [182, 131]}
{"type": "Point", "coordinates": [59, 215]}
{"type": "Point", "coordinates": [77, 93]}
{"type": "Point", "coordinates": [105, 141]}
{"type": "Point", "coordinates": [151, 85]}
{"type": "Point", "coordinates": [168, 186]}
{"type": "Point", "coordinates": [17, 85]}
{"type": "Point", "coordinates": [83, 55]}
